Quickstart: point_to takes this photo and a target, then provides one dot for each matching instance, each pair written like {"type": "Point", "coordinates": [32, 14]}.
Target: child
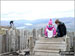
{"type": "Point", "coordinates": [50, 30]}
{"type": "Point", "coordinates": [61, 28]}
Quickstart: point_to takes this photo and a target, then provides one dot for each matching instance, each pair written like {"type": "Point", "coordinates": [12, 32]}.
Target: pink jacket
{"type": "Point", "coordinates": [50, 28]}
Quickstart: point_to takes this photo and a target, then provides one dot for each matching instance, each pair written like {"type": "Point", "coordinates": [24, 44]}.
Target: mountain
{"type": "Point", "coordinates": [69, 22]}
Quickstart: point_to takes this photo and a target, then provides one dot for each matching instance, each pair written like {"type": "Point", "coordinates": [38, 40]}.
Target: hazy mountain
{"type": "Point", "coordinates": [69, 21]}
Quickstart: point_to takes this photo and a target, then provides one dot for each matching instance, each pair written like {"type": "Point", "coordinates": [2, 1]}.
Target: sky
{"type": "Point", "coordinates": [32, 10]}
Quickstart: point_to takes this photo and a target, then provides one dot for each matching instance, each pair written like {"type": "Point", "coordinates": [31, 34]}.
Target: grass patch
{"type": "Point", "coordinates": [2, 32]}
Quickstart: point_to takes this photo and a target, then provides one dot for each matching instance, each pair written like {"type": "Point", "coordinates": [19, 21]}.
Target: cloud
{"type": "Point", "coordinates": [31, 10]}
{"type": "Point", "coordinates": [29, 24]}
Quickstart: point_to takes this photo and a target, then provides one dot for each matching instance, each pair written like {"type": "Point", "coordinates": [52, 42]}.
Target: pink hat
{"type": "Point", "coordinates": [50, 22]}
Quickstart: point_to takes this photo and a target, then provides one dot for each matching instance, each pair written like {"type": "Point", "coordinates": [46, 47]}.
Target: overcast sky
{"type": "Point", "coordinates": [31, 10]}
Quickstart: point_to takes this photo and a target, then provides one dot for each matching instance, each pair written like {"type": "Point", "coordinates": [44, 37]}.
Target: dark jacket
{"type": "Point", "coordinates": [61, 29]}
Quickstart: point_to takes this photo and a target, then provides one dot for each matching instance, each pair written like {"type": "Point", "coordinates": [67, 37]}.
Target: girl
{"type": "Point", "coordinates": [50, 30]}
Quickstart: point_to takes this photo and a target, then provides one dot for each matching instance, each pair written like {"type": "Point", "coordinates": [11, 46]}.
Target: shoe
{"type": "Point", "coordinates": [56, 37]}
{"type": "Point", "coordinates": [46, 37]}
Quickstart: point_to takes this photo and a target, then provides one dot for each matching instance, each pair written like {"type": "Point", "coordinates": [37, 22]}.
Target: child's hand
{"type": "Point", "coordinates": [56, 33]}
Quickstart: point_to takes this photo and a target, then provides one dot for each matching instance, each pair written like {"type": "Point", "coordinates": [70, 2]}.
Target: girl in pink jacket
{"type": "Point", "coordinates": [50, 30]}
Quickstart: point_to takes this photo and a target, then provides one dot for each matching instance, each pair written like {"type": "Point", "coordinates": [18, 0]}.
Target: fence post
{"type": "Point", "coordinates": [74, 43]}
{"type": "Point", "coordinates": [31, 45]}
{"type": "Point", "coordinates": [3, 43]}
{"type": "Point", "coordinates": [34, 34]}
{"type": "Point", "coordinates": [42, 32]}
{"type": "Point", "coordinates": [67, 43]}
{"type": "Point", "coordinates": [0, 43]}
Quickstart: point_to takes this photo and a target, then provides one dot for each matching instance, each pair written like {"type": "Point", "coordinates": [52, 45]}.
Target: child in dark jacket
{"type": "Point", "coordinates": [61, 28]}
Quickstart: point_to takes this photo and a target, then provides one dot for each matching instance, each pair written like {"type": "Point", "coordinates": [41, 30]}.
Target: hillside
{"type": "Point", "coordinates": [69, 21]}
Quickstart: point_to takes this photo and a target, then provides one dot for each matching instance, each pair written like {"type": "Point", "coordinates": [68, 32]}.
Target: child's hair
{"type": "Point", "coordinates": [57, 21]}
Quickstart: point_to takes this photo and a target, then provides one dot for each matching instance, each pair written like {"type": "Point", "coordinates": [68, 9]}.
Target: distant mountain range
{"type": "Point", "coordinates": [69, 21]}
